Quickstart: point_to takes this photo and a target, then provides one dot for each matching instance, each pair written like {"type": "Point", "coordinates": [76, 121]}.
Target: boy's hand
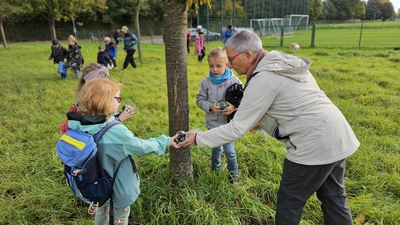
{"type": "Point", "coordinates": [215, 109]}
{"type": "Point", "coordinates": [229, 110]}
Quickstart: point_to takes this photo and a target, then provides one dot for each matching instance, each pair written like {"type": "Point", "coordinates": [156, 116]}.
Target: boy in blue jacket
{"type": "Point", "coordinates": [111, 49]}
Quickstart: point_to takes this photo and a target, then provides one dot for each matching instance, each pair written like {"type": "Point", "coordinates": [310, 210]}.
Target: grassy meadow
{"type": "Point", "coordinates": [363, 83]}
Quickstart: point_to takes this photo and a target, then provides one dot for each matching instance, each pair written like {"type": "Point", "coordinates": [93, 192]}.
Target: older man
{"type": "Point", "coordinates": [282, 97]}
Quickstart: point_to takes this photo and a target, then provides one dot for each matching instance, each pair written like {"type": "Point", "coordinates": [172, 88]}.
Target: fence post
{"type": "Point", "coordinates": [359, 41]}
{"type": "Point", "coordinates": [313, 36]}
{"type": "Point", "coordinates": [151, 35]}
{"type": "Point", "coordinates": [282, 35]}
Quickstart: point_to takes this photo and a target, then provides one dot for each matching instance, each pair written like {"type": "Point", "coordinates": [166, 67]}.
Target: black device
{"type": "Point", "coordinates": [181, 136]}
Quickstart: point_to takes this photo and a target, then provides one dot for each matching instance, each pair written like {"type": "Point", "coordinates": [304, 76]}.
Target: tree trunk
{"type": "Point", "coordinates": [52, 26]}
{"type": "Point", "coordinates": [175, 27]}
{"type": "Point", "coordinates": [139, 44]}
{"type": "Point", "coordinates": [3, 36]}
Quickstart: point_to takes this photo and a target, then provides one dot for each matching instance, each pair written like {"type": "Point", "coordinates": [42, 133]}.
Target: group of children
{"type": "Point", "coordinates": [212, 88]}
{"type": "Point", "coordinates": [72, 57]}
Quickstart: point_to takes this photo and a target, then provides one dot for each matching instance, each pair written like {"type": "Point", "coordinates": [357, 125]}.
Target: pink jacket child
{"type": "Point", "coordinates": [200, 46]}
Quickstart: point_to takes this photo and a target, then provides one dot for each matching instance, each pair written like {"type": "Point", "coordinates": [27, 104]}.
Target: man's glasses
{"type": "Point", "coordinates": [230, 59]}
{"type": "Point", "coordinates": [118, 99]}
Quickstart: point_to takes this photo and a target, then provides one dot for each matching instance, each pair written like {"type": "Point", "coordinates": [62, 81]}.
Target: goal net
{"type": "Point", "coordinates": [274, 26]}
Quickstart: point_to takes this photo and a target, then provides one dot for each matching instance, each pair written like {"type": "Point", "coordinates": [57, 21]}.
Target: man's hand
{"type": "Point", "coordinates": [190, 140]}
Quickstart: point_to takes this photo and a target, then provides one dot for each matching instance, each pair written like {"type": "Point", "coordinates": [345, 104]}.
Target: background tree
{"type": "Point", "coordinates": [7, 9]}
{"type": "Point", "coordinates": [373, 9]}
{"type": "Point", "coordinates": [65, 10]}
{"type": "Point", "coordinates": [329, 11]}
{"type": "Point", "coordinates": [387, 11]}
{"type": "Point", "coordinates": [315, 9]}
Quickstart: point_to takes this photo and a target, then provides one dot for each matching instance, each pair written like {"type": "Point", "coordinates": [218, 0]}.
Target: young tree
{"type": "Point", "coordinates": [175, 28]}
{"type": "Point", "coordinates": [64, 10]}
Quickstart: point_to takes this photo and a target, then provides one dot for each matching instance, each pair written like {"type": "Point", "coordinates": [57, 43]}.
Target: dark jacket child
{"type": "Point", "coordinates": [74, 56]}
{"type": "Point", "coordinates": [58, 54]}
{"type": "Point", "coordinates": [103, 58]}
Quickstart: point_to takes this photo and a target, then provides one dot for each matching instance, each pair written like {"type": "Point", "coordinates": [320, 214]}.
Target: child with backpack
{"type": "Point", "coordinates": [98, 100]}
{"type": "Point", "coordinates": [58, 54]}
{"type": "Point", "coordinates": [212, 99]}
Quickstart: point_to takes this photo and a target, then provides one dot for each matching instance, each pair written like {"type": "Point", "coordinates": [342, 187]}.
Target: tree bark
{"type": "Point", "coordinates": [175, 27]}
{"type": "Point", "coordinates": [139, 44]}
{"type": "Point", "coordinates": [3, 35]}
{"type": "Point", "coordinates": [52, 26]}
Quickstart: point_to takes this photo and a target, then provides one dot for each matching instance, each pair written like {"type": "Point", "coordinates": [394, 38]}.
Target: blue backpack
{"type": "Point", "coordinates": [82, 169]}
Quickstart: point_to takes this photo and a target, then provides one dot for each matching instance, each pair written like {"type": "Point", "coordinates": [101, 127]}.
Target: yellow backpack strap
{"type": "Point", "coordinates": [72, 141]}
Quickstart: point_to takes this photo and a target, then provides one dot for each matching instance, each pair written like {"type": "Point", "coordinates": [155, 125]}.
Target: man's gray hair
{"type": "Point", "coordinates": [245, 40]}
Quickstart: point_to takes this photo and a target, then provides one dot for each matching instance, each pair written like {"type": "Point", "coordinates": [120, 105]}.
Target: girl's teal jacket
{"type": "Point", "coordinates": [114, 148]}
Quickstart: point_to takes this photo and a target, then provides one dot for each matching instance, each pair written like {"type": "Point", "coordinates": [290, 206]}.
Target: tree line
{"type": "Point", "coordinates": [114, 13]}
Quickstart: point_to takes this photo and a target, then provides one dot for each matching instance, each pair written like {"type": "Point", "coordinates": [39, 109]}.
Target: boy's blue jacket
{"type": "Point", "coordinates": [111, 49]}
{"type": "Point", "coordinates": [130, 41]}
{"type": "Point", "coordinates": [114, 147]}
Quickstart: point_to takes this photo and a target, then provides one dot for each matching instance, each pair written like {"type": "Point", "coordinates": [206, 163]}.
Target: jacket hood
{"type": "Point", "coordinates": [88, 124]}
{"type": "Point", "coordinates": [290, 66]}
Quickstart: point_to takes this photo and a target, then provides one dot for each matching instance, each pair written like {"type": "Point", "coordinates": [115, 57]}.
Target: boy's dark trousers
{"type": "Point", "coordinates": [129, 59]}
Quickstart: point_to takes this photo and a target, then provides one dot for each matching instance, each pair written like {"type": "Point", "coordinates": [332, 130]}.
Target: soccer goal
{"type": "Point", "coordinates": [298, 22]}
{"type": "Point", "coordinates": [289, 24]}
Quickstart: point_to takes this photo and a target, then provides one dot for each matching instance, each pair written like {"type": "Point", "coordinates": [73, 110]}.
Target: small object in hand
{"type": "Point", "coordinates": [126, 106]}
{"type": "Point", "coordinates": [181, 136]}
{"type": "Point", "coordinates": [222, 104]}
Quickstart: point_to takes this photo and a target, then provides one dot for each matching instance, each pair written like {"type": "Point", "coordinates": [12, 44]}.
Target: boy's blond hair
{"type": "Point", "coordinates": [72, 38]}
{"type": "Point", "coordinates": [101, 47]}
{"type": "Point", "coordinates": [217, 52]}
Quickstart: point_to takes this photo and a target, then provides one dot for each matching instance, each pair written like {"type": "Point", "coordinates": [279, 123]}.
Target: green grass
{"type": "Point", "coordinates": [363, 83]}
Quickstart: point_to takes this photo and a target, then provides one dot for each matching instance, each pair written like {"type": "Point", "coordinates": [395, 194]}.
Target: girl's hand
{"type": "Point", "coordinates": [127, 113]}
{"type": "Point", "coordinates": [173, 143]}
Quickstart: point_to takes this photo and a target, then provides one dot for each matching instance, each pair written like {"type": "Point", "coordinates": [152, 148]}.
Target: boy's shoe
{"type": "Point", "coordinates": [233, 179]}
{"type": "Point", "coordinates": [115, 68]}
{"type": "Point", "coordinates": [121, 70]}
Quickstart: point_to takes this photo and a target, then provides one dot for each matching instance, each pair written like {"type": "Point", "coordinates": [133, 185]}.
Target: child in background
{"type": "Point", "coordinates": [103, 58]}
{"type": "Point", "coordinates": [74, 57]}
{"type": "Point", "coordinates": [111, 49]}
{"type": "Point", "coordinates": [58, 54]}
{"type": "Point", "coordinates": [200, 46]}
{"type": "Point", "coordinates": [213, 90]}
